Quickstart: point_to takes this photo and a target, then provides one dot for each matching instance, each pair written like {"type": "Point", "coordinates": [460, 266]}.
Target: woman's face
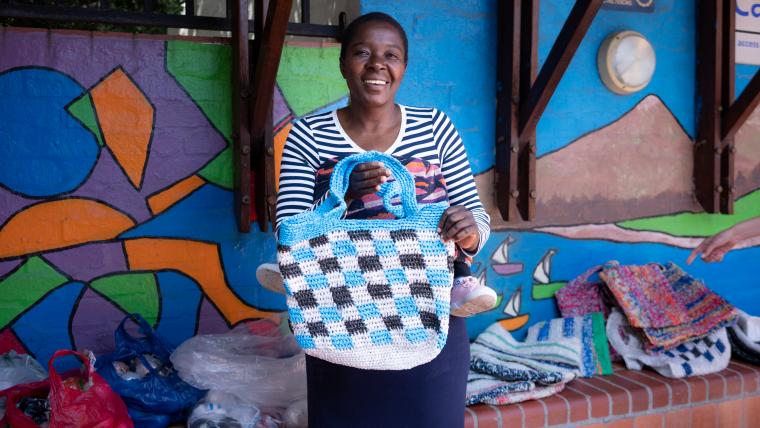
{"type": "Point", "coordinates": [374, 64]}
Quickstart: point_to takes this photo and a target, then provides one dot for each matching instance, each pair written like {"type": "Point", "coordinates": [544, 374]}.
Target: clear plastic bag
{"type": "Point", "coordinates": [16, 369]}
{"type": "Point", "coordinates": [220, 409]}
{"type": "Point", "coordinates": [265, 368]}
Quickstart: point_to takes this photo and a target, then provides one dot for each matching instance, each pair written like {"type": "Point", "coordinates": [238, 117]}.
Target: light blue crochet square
{"type": "Point", "coordinates": [316, 281]}
{"type": "Point", "coordinates": [416, 335]}
{"type": "Point", "coordinates": [439, 277]}
{"type": "Point", "coordinates": [343, 249]}
{"type": "Point", "coordinates": [396, 276]}
{"type": "Point", "coordinates": [385, 247]}
{"type": "Point", "coordinates": [329, 314]}
{"type": "Point", "coordinates": [432, 248]}
{"type": "Point", "coordinates": [304, 254]}
{"type": "Point", "coordinates": [368, 311]}
{"type": "Point", "coordinates": [381, 337]}
{"type": "Point", "coordinates": [342, 341]}
{"type": "Point", "coordinates": [353, 278]}
{"type": "Point", "coordinates": [305, 342]}
{"type": "Point", "coordinates": [442, 308]}
{"type": "Point", "coordinates": [406, 307]}
{"type": "Point", "coordinates": [296, 316]}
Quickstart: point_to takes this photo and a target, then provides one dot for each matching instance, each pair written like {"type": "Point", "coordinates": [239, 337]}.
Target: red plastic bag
{"type": "Point", "coordinates": [81, 400]}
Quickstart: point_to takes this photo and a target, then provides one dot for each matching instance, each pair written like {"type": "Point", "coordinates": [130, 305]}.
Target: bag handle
{"type": "Point", "coordinates": [55, 378]}
{"type": "Point", "coordinates": [145, 328]}
{"type": "Point", "coordinates": [335, 205]}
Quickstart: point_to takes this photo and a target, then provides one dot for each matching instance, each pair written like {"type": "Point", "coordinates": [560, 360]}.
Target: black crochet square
{"type": "Point", "coordinates": [379, 291]}
{"type": "Point", "coordinates": [341, 297]}
{"type": "Point", "coordinates": [430, 320]}
{"type": "Point", "coordinates": [393, 322]}
{"type": "Point", "coordinates": [291, 270]}
{"type": "Point", "coordinates": [412, 261]}
{"type": "Point", "coordinates": [305, 299]}
{"type": "Point", "coordinates": [421, 289]}
{"type": "Point", "coordinates": [318, 241]}
{"type": "Point", "coordinates": [329, 265]}
{"type": "Point", "coordinates": [317, 329]}
{"type": "Point", "coordinates": [356, 326]}
{"type": "Point", "coordinates": [403, 235]}
{"type": "Point", "coordinates": [360, 235]}
{"type": "Point", "coordinates": [370, 263]}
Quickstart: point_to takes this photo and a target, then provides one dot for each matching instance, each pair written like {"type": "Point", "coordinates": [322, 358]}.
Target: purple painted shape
{"type": "Point", "coordinates": [507, 268]}
{"type": "Point", "coordinates": [90, 261]}
{"type": "Point", "coordinates": [8, 266]}
{"type": "Point", "coordinates": [176, 151]}
{"type": "Point", "coordinates": [94, 322]}
{"type": "Point", "coordinates": [210, 321]}
{"type": "Point", "coordinates": [280, 108]}
{"type": "Point", "coordinates": [10, 204]}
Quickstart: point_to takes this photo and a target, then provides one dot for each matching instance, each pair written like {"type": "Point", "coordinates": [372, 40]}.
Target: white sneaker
{"type": "Point", "coordinates": [470, 297]}
{"type": "Point", "coordinates": [269, 276]}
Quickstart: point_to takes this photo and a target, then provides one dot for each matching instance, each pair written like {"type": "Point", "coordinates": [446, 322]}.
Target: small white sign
{"type": "Point", "coordinates": [748, 32]}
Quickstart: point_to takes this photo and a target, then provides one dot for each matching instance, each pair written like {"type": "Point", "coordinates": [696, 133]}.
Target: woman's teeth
{"type": "Point", "coordinates": [375, 82]}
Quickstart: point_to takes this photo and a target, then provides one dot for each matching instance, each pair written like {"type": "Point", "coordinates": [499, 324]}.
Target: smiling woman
{"type": "Point", "coordinates": [373, 59]}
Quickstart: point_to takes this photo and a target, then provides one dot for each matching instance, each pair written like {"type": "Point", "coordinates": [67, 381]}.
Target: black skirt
{"type": "Point", "coordinates": [430, 395]}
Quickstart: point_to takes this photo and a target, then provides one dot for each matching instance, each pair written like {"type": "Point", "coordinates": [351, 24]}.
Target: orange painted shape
{"type": "Point", "coordinates": [512, 324]}
{"type": "Point", "coordinates": [162, 200]}
{"type": "Point", "coordinates": [126, 119]}
{"type": "Point", "coordinates": [201, 262]}
{"type": "Point", "coordinates": [59, 224]}
{"type": "Point", "coordinates": [279, 144]}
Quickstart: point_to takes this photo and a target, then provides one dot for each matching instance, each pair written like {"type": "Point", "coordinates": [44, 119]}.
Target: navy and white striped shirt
{"type": "Point", "coordinates": [425, 133]}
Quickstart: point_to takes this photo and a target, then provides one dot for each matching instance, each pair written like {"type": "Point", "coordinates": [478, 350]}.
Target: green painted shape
{"type": "Point", "coordinates": [309, 77]}
{"type": "Point", "coordinates": [204, 71]}
{"type": "Point", "coordinates": [546, 291]}
{"type": "Point", "coordinates": [83, 110]}
{"type": "Point", "coordinates": [699, 224]}
{"type": "Point", "coordinates": [132, 292]}
{"type": "Point", "coordinates": [220, 170]}
{"type": "Point", "coordinates": [25, 286]}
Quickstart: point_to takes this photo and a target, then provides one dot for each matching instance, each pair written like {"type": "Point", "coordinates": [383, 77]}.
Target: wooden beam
{"type": "Point", "coordinates": [570, 37]}
{"type": "Point", "coordinates": [507, 74]}
{"type": "Point", "coordinates": [526, 153]}
{"type": "Point", "coordinates": [728, 79]}
{"type": "Point", "coordinates": [265, 72]}
{"type": "Point", "coordinates": [707, 149]}
{"type": "Point", "coordinates": [240, 114]}
{"type": "Point", "coordinates": [739, 112]}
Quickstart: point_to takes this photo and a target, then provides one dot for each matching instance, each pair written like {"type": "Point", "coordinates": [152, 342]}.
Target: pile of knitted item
{"type": "Point", "coordinates": [745, 338]}
{"type": "Point", "coordinates": [504, 371]}
{"type": "Point", "coordinates": [669, 320]}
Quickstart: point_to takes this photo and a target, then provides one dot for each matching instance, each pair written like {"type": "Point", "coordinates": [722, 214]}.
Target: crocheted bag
{"type": "Point", "coordinates": [371, 294]}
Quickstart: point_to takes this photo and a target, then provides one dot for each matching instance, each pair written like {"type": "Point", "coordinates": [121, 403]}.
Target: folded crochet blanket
{"type": "Point", "coordinates": [589, 329]}
{"type": "Point", "coordinates": [490, 390]}
{"type": "Point", "coordinates": [742, 336]}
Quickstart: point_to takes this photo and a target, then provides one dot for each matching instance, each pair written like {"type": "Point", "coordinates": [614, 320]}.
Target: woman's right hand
{"type": "Point", "coordinates": [366, 178]}
{"type": "Point", "coordinates": [715, 247]}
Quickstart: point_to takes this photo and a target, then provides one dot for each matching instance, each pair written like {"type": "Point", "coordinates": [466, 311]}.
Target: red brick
{"type": "Point", "coordinates": [535, 414]}
{"type": "Point", "coordinates": [657, 384]}
{"type": "Point", "coordinates": [716, 388]}
{"type": "Point", "coordinates": [648, 421]}
{"type": "Point", "coordinates": [620, 423]}
{"type": "Point", "coordinates": [469, 418]}
{"type": "Point", "coordinates": [579, 405]}
{"type": "Point", "coordinates": [733, 382]}
{"type": "Point", "coordinates": [621, 403]}
{"type": "Point", "coordinates": [749, 375]}
{"type": "Point", "coordinates": [487, 417]}
{"type": "Point", "coordinates": [752, 411]}
{"type": "Point", "coordinates": [592, 426]}
{"type": "Point", "coordinates": [511, 415]}
{"type": "Point", "coordinates": [705, 416]}
{"type": "Point", "coordinates": [639, 392]}
{"type": "Point", "coordinates": [698, 388]}
{"type": "Point", "coordinates": [557, 412]}
{"type": "Point", "coordinates": [600, 403]}
{"type": "Point", "coordinates": [731, 414]}
{"type": "Point", "coordinates": [678, 419]}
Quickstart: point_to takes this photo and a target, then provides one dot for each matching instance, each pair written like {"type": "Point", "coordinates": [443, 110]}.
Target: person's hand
{"type": "Point", "coordinates": [366, 178]}
{"type": "Point", "coordinates": [715, 247]}
{"type": "Point", "coordinates": [458, 224]}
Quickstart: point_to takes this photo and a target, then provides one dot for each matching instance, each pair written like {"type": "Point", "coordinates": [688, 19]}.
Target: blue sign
{"type": "Point", "coordinates": [646, 6]}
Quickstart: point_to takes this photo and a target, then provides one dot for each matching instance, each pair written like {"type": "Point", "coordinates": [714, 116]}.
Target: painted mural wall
{"type": "Point", "coordinates": [116, 186]}
{"type": "Point", "coordinates": [613, 172]}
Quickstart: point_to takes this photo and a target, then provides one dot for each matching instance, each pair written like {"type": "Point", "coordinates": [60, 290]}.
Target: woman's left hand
{"type": "Point", "coordinates": [458, 224]}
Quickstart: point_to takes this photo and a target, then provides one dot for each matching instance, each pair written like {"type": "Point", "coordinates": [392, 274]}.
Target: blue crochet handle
{"type": "Point", "coordinates": [335, 205]}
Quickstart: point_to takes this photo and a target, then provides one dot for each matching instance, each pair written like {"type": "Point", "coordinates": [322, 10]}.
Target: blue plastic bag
{"type": "Point", "coordinates": [160, 395]}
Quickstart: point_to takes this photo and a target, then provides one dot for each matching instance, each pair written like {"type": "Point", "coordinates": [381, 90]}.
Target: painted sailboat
{"type": "Point", "coordinates": [500, 259]}
{"type": "Point", "coordinates": [512, 309]}
{"type": "Point", "coordinates": [543, 287]}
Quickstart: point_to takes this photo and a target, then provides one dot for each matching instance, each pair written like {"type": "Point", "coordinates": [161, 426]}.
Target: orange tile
{"type": "Point", "coordinates": [730, 414]}
{"type": "Point", "coordinates": [648, 421]}
{"type": "Point", "coordinates": [704, 416]}
{"type": "Point", "coordinates": [752, 411]}
{"type": "Point", "coordinates": [678, 419]}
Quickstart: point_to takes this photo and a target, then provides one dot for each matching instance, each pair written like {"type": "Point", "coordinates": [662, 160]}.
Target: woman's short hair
{"type": "Point", "coordinates": [353, 28]}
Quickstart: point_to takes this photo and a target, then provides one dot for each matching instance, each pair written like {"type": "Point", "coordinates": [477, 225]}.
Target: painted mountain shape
{"type": "Point", "coordinates": [637, 166]}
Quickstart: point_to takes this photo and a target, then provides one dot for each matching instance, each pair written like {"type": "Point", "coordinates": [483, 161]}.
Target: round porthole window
{"type": "Point", "coordinates": [626, 62]}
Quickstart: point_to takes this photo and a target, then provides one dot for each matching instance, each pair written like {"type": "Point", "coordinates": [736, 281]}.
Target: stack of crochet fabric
{"type": "Point", "coordinates": [504, 371]}
{"type": "Point", "coordinates": [668, 320]}
{"type": "Point", "coordinates": [745, 338]}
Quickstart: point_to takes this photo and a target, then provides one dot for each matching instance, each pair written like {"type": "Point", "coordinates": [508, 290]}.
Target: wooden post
{"type": "Point", "coordinates": [240, 118]}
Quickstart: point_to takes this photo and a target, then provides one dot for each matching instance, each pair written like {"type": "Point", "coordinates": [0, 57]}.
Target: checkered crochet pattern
{"type": "Point", "coordinates": [371, 294]}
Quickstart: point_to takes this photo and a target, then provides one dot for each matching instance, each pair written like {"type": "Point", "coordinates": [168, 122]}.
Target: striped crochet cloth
{"type": "Point", "coordinates": [589, 329]}
{"type": "Point", "coordinates": [503, 370]}
{"type": "Point", "coordinates": [670, 306]}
